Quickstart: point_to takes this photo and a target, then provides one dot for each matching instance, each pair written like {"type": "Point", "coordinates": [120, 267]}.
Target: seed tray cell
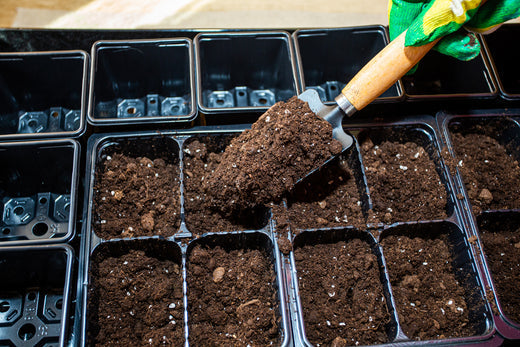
{"type": "Point", "coordinates": [336, 196]}
{"type": "Point", "coordinates": [135, 187]}
{"type": "Point", "coordinates": [34, 295]}
{"type": "Point", "coordinates": [348, 50]}
{"type": "Point", "coordinates": [409, 251]}
{"type": "Point", "coordinates": [499, 237]}
{"type": "Point", "coordinates": [340, 286]}
{"type": "Point", "coordinates": [28, 109]}
{"type": "Point", "coordinates": [249, 289]}
{"type": "Point", "coordinates": [244, 71]}
{"type": "Point", "coordinates": [486, 155]}
{"type": "Point", "coordinates": [38, 193]}
{"type": "Point", "coordinates": [142, 81]}
{"type": "Point", "coordinates": [397, 160]}
{"type": "Point", "coordinates": [199, 155]}
{"type": "Point", "coordinates": [120, 297]}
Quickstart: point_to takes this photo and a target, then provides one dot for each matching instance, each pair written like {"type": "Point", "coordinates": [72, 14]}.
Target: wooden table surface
{"type": "Point", "coordinates": [191, 13]}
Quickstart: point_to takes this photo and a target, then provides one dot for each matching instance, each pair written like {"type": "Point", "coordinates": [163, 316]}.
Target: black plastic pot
{"type": "Point", "coordinates": [244, 71]}
{"type": "Point", "coordinates": [43, 94]}
{"type": "Point", "coordinates": [440, 77]}
{"type": "Point", "coordinates": [38, 191]}
{"type": "Point", "coordinates": [142, 81]}
{"type": "Point", "coordinates": [35, 294]}
{"type": "Point", "coordinates": [329, 58]}
{"type": "Point", "coordinates": [504, 59]}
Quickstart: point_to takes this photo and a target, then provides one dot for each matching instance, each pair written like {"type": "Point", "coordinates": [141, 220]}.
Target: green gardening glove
{"type": "Point", "coordinates": [427, 20]}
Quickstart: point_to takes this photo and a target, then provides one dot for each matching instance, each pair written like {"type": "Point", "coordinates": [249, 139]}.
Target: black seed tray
{"type": "Point", "coordinates": [488, 215]}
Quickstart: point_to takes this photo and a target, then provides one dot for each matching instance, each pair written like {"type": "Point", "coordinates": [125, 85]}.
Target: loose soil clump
{"type": "Point", "coordinates": [231, 298]}
{"type": "Point", "coordinates": [403, 182]}
{"type": "Point", "coordinates": [136, 197]}
{"type": "Point", "coordinates": [341, 294]}
{"type": "Point", "coordinates": [136, 300]}
{"type": "Point", "coordinates": [202, 155]}
{"type": "Point", "coordinates": [502, 248]}
{"type": "Point", "coordinates": [328, 199]}
{"type": "Point", "coordinates": [491, 175]}
{"type": "Point", "coordinates": [429, 299]}
{"type": "Point", "coordinates": [263, 163]}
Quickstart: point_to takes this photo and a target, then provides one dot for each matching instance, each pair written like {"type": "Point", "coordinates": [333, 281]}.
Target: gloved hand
{"type": "Point", "coordinates": [427, 20]}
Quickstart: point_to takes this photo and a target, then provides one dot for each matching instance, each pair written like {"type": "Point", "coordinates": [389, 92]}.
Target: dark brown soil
{"type": "Point", "coordinates": [502, 248]}
{"type": "Point", "coordinates": [136, 300]}
{"type": "Point", "coordinates": [403, 182]}
{"type": "Point", "coordinates": [231, 298]}
{"type": "Point", "coordinates": [491, 176]}
{"type": "Point", "coordinates": [136, 197]}
{"type": "Point", "coordinates": [284, 245]}
{"type": "Point", "coordinates": [201, 156]}
{"type": "Point", "coordinates": [328, 199]}
{"type": "Point", "coordinates": [430, 302]}
{"type": "Point", "coordinates": [341, 294]}
{"type": "Point", "coordinates": [263, 163]}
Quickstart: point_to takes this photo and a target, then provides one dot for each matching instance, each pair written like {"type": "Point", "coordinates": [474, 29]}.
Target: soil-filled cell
{"type": "Point", "coordinates": [136, 192]}
{"type": "Point", "coordinates": [500, 235]}
{"type": "Point", "coordinates": [341, 293]}
{"type": "Point", "coordinates": [135, 295]}
{"type": "Point", "coordinates": [265, 162]}
{"type": "Point", "coordinates": [435, 291]}
{"type": "Point", "coordinates": [402, 177]}
{"type": "Point", "coordinates": [486, 153]}
{"type": "Point", "coordinates": [334, 196]}
{"type": "Point", "coordinates": [202, 154]}
{"type": "Point", "coordinates": [232, 296]}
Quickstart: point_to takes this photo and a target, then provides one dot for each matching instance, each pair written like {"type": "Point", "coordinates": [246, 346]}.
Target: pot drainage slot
{"type": "Point", "coordinates": [152, 105]}
{"type": "Point", "coordinates": [18, 211]}
{"type": "Point", "coordinates": [52, 120]}
{"type": "Point", "coordinates": [27, 332]}
{"type": "Point", "coordinates": [41, 215]}
{"type": "Point", "coordinates": [328, 90]}
{"type": "Point", "coordinates": [241, 97]}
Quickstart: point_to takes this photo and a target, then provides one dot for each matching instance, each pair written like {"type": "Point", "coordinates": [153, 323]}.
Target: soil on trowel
{"type": "Point", "coordinates": [231, 298]}
{"type": "Point", "coordinates": [502, 248]}
{"type": "Point", "coordinates": [136, 300]}
{"type": "Point", "coordinates": [263, 163]}
{"type": "Point", "coordinates": [429, 299]}
{"type": "Point", "coordinates": [490, 174]}
{"type": "Point", "coordinates": [403, 182]}
{"type": "Point", "coordinates": [136, 197]}
{"type": "Point", "coordinates": [341, 294]}
{"type": "Point", "coordinates": [328, 199]}
{"type": "Point", "coordinates": [201, 156]}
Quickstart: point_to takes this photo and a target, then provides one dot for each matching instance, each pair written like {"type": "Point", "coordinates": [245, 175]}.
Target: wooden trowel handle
{"type": "Point", "coordinates": [383, 71]}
